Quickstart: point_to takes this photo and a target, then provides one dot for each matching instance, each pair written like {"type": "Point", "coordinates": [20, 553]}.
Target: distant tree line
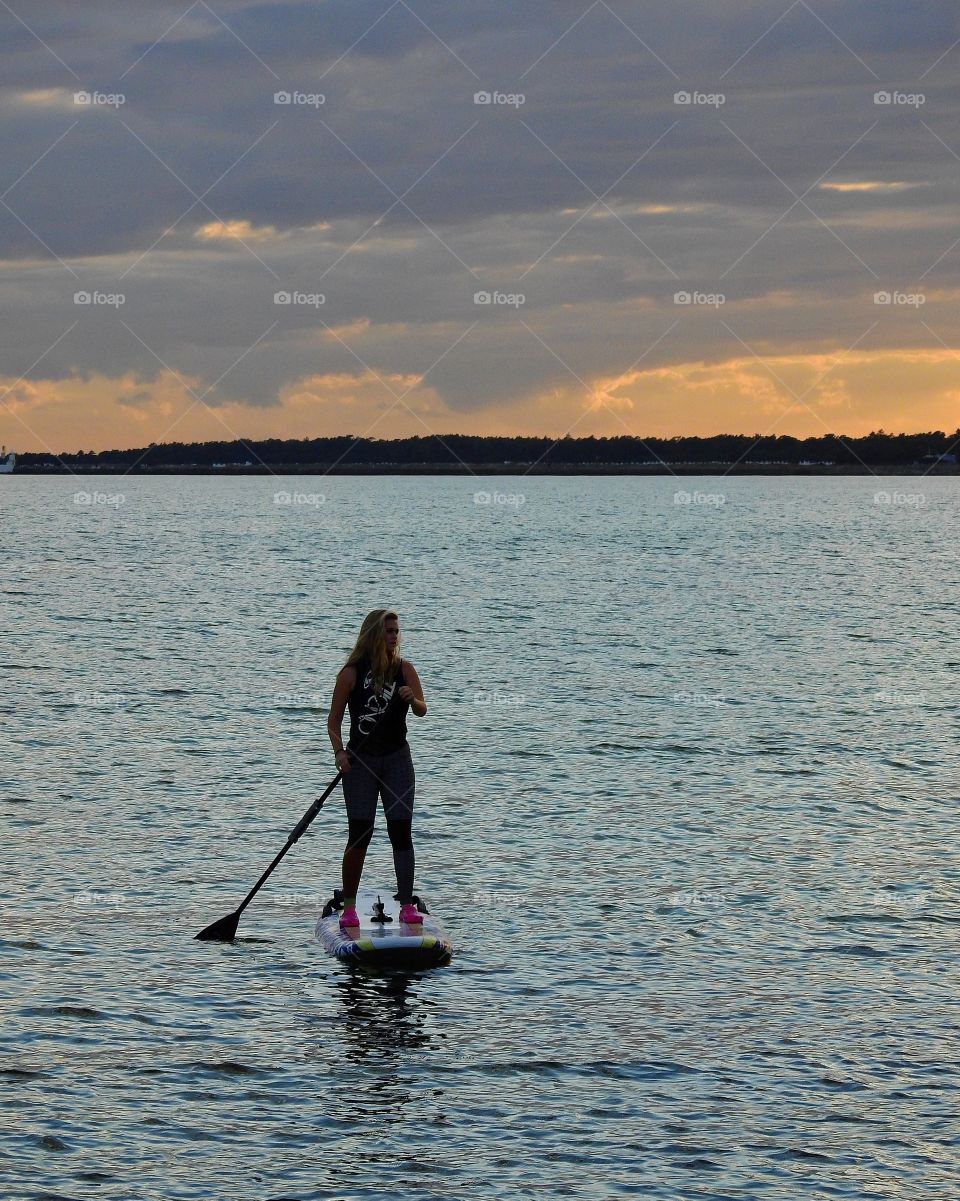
{"type": "Point", "coordinates": [875, 449]}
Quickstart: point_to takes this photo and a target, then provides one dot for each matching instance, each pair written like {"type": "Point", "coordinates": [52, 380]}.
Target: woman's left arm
{"type": "Point", "coordinates": [412, 690]}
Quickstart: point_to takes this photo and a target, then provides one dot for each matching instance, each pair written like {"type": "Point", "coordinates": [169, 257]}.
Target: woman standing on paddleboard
{"type": "Point", "coordinates": [379, 687]}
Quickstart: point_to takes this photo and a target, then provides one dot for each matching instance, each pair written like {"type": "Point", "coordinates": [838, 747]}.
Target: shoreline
{"type": "Point", "coordinates": [502, 469]}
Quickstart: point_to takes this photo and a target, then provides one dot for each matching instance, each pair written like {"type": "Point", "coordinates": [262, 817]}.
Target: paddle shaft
{"type": "Point", "coordinates": [300, 828]}
{"type": "Point", "coordinates": [294, 836]}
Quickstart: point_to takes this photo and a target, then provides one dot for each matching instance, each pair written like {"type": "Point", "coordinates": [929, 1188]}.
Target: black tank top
{"type": "Point", "coordinates": [366, 707]}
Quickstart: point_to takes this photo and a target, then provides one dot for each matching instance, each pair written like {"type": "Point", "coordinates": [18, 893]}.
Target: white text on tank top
{"type": "Point", "coordinates": [375, 704]}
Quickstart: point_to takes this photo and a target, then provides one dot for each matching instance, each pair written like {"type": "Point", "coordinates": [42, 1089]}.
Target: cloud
{"type": "Point", "coordinates": [241, 231]}
{"type": "Point", "coordinates": [794, 394]}
{"type": "Point", "coordinates": [41, 98]}
{"type": "Point", "coordinates": [398, 198]}
{"type": "Point", "coordinates": [868, 185]}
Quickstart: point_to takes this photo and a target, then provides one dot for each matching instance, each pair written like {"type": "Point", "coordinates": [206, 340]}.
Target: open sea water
{"type": "Point", "coordinates": [687, 804]}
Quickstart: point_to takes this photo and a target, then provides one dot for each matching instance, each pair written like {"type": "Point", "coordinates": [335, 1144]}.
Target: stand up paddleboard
{"type": "Point", "coordinates": [381, 939]}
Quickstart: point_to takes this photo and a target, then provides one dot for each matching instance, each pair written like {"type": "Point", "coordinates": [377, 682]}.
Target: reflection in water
{"type": "Point", "coordinates": [378, 1016]}
{"type": "Point", "coordinates": [378, 1028]}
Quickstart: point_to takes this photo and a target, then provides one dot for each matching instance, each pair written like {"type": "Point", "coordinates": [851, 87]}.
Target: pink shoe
{"type": "Point", "coordinates": [349, 918]}
{"type": "Point", "coordinates": [410, 915]}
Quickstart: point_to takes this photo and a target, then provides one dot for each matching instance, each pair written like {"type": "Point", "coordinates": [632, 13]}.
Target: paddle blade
{"type": "Point", "coordinates": [223, 930]}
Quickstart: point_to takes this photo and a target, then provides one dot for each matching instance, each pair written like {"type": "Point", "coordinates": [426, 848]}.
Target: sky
{"type": "Point", "coordinates": [394, 217]}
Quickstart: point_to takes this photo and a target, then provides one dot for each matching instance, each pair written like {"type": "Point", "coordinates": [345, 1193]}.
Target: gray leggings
{"type": "Point", "coordinates": [372, 776]}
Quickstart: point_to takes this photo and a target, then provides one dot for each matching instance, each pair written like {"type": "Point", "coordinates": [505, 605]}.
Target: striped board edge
{"type": "Point", "coordinates": [383, 943]}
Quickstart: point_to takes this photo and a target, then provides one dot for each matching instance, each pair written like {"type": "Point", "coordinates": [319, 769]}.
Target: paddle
{"type": "Point", "coordinates": [225, 928]}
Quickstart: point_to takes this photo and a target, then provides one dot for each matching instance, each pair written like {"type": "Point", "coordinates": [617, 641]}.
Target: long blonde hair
{"type": "Point", "coordinates": [371, 645]}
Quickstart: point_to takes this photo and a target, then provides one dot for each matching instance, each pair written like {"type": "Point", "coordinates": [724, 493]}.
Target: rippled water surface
{"type": "Point", "coordinates": [687, 804]}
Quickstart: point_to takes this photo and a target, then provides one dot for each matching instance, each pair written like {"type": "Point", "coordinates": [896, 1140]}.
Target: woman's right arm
{"type": "Point", "coordinates": [341, 692]}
